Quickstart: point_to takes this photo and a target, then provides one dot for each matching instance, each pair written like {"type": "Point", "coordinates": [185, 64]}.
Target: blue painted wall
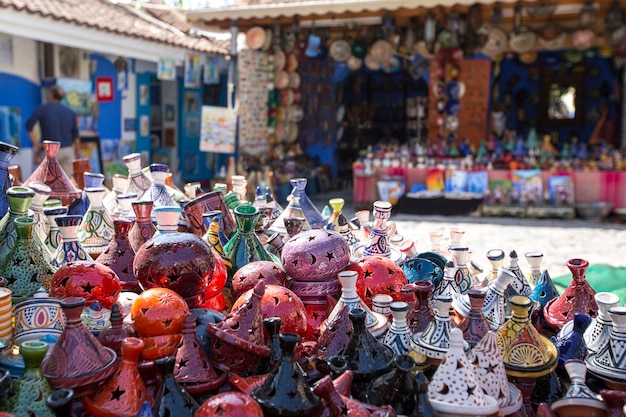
{"type": "Point", "coordinates": [22, 93]}
{"type": "Point", "coordinates": [110, 113]}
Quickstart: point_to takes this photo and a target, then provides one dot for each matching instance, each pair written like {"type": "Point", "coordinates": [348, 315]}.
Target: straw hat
{"type": "Point", "coordinates": [255, 37]}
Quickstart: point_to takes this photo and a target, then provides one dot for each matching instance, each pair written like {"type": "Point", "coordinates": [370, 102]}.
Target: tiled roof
{"type": "Point", "coordinates": [115, 18]}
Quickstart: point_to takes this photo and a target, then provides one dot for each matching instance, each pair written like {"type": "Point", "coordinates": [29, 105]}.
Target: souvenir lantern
{"type": "Point", "coordinates": [313, 259]}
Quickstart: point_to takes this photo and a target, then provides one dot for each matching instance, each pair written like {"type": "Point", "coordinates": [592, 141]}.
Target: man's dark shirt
{"type": "Point", "coordinates": [56, 122]}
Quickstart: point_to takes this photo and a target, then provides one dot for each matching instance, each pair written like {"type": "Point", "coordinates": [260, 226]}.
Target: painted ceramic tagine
{"type": "Point", "coordinates": [50, 173]}
{"type": "Point", "coordinates": [378, 275]}
{"type": "Point", "coordinates": [78, 360]}
{"type": "Point", "coordinates": [143, 229]}
{"type": "Point", "coordinates": [96, 230]}
{"type": "Point", "coordinates": [600, 328]}
{"type": "Point", "coordinates": [119, 256]}
{"type": "Point", "coordinates": [245, 278]}
{"type": "Point", "coordinates": [608, 362]}
{"type": "Point", "coordinates": [380, 233]}
{"type": "Point", "coordinates": [19, 201]}
{"type": "Point", "coordinates": [230, 404]}
{"type": "Point", "coordinates": [89, 280]}
{"type": "Point", "coordinates": [578, 297]}
{"type": "Point", "coordinates": [420, 314]}
{"type": "Point", "coordinates": [138, 182]}
{"type": "Point", "coordinates": [286, 392]}
{"type": "Point", "coordinates": [69, 248]}
{"type": "Point", "coordinates": [42, 193]}
{"type": "Point", "coordinates": [454, 389]}
{"type": "Point", "coordinates": [579, 400]}
{"type": "Point", "coordinates": [7, 152]}
{"type": "Point", "coordinates": [238, 342]}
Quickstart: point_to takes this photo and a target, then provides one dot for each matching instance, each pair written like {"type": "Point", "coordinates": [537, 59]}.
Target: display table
{"type": "Point", "coordinates": [590, 186]}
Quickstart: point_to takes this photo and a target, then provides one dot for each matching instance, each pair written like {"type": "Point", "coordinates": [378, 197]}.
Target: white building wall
{"type": "Point", "coordinates": [25, 59]}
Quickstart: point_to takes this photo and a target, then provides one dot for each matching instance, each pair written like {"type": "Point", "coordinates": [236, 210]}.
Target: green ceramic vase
{"type": "Point", "coordinates": [25, 268]}
{"type": "Point", "coordinates": [244, 246]}
{"type": "Point", "coordinates": [27, 396]}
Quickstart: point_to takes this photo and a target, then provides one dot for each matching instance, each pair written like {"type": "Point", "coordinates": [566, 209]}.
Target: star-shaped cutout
{"type": "Point", "coordinates": [367, 273]}
{"type": "Point", "coordinates": [295, 262]}
{"type": "Point", "coordinates": [167, 322]}
{"type": "Point", "coordinates": [490, 368]}
{"type": "Point", "coordinates": [311, 238]}
{"type": "Point", "coordinates": [470, 390]}
{"type": "Point", "coordinates": [390, 271]}
{"type": "Point", "coordinates": [330, 256]}
{"type": "Point", "coordinates": [17, 261]}
{"type": "Point", "coordinates": [183, 363]}
{"type": "Point", "coordinates": [117, 393]}
{"type": "Point", "coordinates": [33, 278]}
{"type": "Point", "coordinates": [121, 253]}
{"type": "Point", "coordinates": [88, 287]}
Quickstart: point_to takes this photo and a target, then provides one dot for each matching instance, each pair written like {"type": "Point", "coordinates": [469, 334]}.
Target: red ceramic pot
{"type": "Point", "coordinates": [89, 280]}
{"type": "Point", "coordinates": [181, 262]}
{"type": "Point", "coordinates": [248, 275]}
{"type": "Point", "coordinates": [278, 301]}
{"type": "Point", "coordinates": [378, 275]}
{"type": "Point", "coordinates": [157, 312]}
{"type": "Point", "coordinates": [230, 404]}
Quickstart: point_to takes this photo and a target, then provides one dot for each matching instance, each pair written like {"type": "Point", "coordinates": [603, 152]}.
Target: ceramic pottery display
{"type": "Point", "coordinates": [19, 201]}
{"type": "Point", "coordinates": [419, 267]}
{"type": "Point", "coordinates": [474, 326]}
{"type": "Point", "coordinates": [119, 256]}
{"type": "Point", "coordinates": [244, 246]}
{"type": "Point", "coordinates": [572, 345]}
{"type": "Point", "coordinates": [434, 342]}
{"type": "Point", "coordinates": [462, 276]}
{"type": "Point", "coordinates": [49, 172]}
{"type": "Point", "coordinates": [212, 201]}
{"type": "Point", "coordinates": [311, 213]}
{"type": "Point", "coordinates": [398, 337]}
{"type": "Point", "coordinates": [214, 228]}
{"type": "Point", "coordinates": [238, 342]}
{"type": "Point", "coordinates": [172, 399]}
{"type": "Point", "coordinates": [295, 214]}
{"type": "Point", "coordinates": [494, 306]}
{"type": "Point", "coordinates": [534, 260]}
{"type": "Point", "coordinates": [608, 362]}
{"type": "Point", "coordinates": [70, 249]}
{"type": "Point", "coordinates": [454, 389]}
{"type": "Point", "coordinates": [579, 400]}
{"type": "Point", "coordinates": [143, 229]}
{"type": "Point", "coordinates": [157, 315]}
{"type": "Point", "coordinates": [278, 301]}
{"type": "Point", "coordinates": [420, 312]}
{"type": "Point", "coordinates": [286, 391]}
{"type": "Point", "coordinates": [378, 275]}
{"type": "Point", "coordinates": [61, 402]}
{"type": "Point", "coordinates": [81, 205]}
{"type": "Point", "coordinates": [345, 229]}
{"type": "Point", "coordinates": [167, 219]}
{"type": "Point", "coordinates": [181, 262]}
{"type": "Point", "coordinates": [157, 192]}
{"type": "Point", "coordinates": [245, 278]}
{"type": "Point", "coordinates": [25, 269]}
{"type": "Point", "coordinates": [334, 336]}
{"type": "Point", "coordinates": [338, 403]}
{"type": "Point", "coordinates": [77, 361]}
{"type": "Point", "coordinates": [27, 395]}
{"type": "Point", "coordinates": [124, 393]}
{"type": "Point", "coordinates": [119, 330]}
{"type": "Point", "coordinates": [79, 168]}
{"type": "Point", "coordinates": [496, 259]}
{"type": "Point", "coordinates": [89, 280]}
{"type": "Point", "coordinates": [336, 205]}
{"type": "Point", "coordinates": [376, 323]}
{"type": "Point", "coordinates": [365, 356]}
{"type": "Point", "coordinates": [192, 368]}
{"type": "Point", "coordinates": [231, 404]}
{"type": "Point", "coordinates": [7, 152]}
{"type": "Point", "coordinates": [42, 192]}
{"type": "Point", "coordinates": [315, 255]}
{"type": "Point", "coordinates": [272, 327]}
{"type": "Point", "coordinates": [138, 182]}
{"type": "Point", "coordinates": [395, 388]}
{"type": "Point", "coordinates": [544, 290]}
{"type": "Point", "coordinates": [491, 375]}
{"type": "Point", "coordinates": [448, 287]}
{"type": "Point", "coordinates": [96, 230]}
{"type": "Point", "coordinates": [525, 353]}
{"type": "Point", "coordinates": [378, 240]}
{"type": "Point", "coordinates": [125, 207]}
{"type": "Point", "coordinates": [53, 239]}
{"type": "Point", "coordinates": [519, 285]}
{"type": "Point", "coordinates": [35, 318]}
{"type": "Point", "coordinates": [7, 317]}
{"type": "Point", "coordinates": [239, 186]}
{"type": "Point", "coordinates": [120, 183]}
{"type": "Point", "coordinates": [600, 328]}
{"type": "Point", "coordinates": [578, 297]}
{"type": "Point", "coordinates": [435, 242]}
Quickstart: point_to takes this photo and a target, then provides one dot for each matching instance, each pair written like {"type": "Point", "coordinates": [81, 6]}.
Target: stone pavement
{"type": "Point", "coordinates": [599, 242]}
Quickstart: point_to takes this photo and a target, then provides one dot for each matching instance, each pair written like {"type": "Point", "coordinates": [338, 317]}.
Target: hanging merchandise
{"type": "Point", "coordinates": [252, 99]}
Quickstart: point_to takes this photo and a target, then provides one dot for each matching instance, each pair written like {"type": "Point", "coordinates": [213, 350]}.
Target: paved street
{"type": "Point", "coordinates": [559, 240]}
